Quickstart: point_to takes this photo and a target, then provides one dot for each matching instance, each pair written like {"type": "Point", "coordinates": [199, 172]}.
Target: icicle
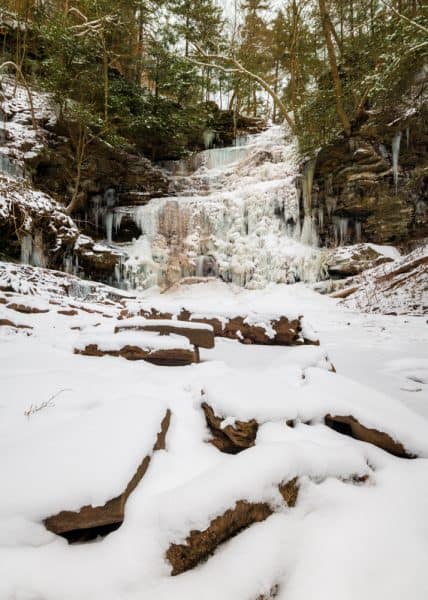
{"type": "Point", "coordinates": [408, 136]}
{"type": "Point", "coordinates": [340, 230]}
{"type": "Point", "coordinates": [117, 221]}
{"type": "Point", "coordinates": [96, 209]}
{"type": "Point", "coordinates": [222, 157]}
{"type": "Point", "coordinates": [321, 217]}
{"type": "Point", "coordinates": [395, 157]}
{"type": "Point", "coordinates": [11, 168]}
{"type": "Point", "coordinates": [308, 178]}
{"type": "Point", "coordinates": [358, 231]}
{"type": "Point", "coordinates": [208, 137]}
{"type": "Point", "coordinates": [110, 197]}
{"type": "Point", "coordinates": [108, 225]}
{"type": "Point", "coordinates": [26, 249]}
{"type": "Point", "coordinates": [38, 256]}
{"type": "Point", "coordinates": [309, 232]}
{"type": "Point", "coordinates": [68, 264]}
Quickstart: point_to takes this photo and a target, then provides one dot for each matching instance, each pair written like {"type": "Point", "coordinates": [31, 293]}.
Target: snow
{"type": "Point", "coordinates": [212, 298]}
{"type": "Point", "coordinates": [22, 141]}
{"type": "Point", "coordinates": [343, 539]}
{"type": "Point", "coordinates": [398, 287]}
{"type": "Point", "coordinates": [141, 322]}
{"type": "Point", "coordinates": [108, 340]}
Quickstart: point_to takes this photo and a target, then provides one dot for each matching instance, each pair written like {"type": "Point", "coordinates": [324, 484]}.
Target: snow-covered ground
{"type": "Point", "coordinates": [74, 430]}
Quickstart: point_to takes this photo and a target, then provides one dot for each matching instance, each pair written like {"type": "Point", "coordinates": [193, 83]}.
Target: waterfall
{"type": "Point", "coordinates": [236, 217]}
{"type": "Point", "coordinates": [395, 157]}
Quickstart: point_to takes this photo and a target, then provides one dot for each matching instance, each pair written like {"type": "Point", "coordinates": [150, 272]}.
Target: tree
{"type": "Point", "coordinates": [199, 22]}
{"type": "Point", "coordinates": [328, 29]}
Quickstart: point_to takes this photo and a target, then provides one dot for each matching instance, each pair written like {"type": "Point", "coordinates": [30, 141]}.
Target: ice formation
{"type": "Point", "coordinates": [395, 156]}
{"type": "Point", "coordinates": [237, 217]}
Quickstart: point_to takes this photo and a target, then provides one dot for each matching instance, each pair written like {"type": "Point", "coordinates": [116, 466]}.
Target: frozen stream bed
{"type": "Point", "coordinates": [74, 429]}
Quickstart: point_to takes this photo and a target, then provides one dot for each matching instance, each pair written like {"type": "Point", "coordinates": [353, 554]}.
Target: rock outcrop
{"type": "Point", "coordinates": [373, 187]}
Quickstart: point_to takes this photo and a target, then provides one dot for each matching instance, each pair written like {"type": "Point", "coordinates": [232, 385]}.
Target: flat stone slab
{"type": "Point", "coordinates": [198, 334]}
{"type": "Point", "coordinates": [167, 350]}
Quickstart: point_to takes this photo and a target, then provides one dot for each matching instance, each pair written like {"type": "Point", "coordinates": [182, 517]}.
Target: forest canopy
{"type": "Point", "coordinates": [154, 74]}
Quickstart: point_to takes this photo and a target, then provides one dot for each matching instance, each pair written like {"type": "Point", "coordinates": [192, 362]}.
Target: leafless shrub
{"type": "Point", "coordinates": [35, 408]}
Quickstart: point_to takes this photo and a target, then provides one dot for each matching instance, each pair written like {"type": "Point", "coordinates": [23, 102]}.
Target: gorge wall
{"type": "Point", "coordinates": [373, 187]}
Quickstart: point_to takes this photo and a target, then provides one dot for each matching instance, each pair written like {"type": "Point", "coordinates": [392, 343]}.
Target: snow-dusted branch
{"type": "Point", "coordinates": [404, 17]}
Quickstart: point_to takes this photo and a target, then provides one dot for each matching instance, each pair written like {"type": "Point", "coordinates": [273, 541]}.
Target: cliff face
{"type": "Point", "coordinates": [374, 186]}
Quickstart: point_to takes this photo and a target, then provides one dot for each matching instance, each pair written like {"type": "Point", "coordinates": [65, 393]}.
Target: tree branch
{"type": "Point", "coordinates": [213, 60]}
{"type": "Point", "coordinates": [394, 10]}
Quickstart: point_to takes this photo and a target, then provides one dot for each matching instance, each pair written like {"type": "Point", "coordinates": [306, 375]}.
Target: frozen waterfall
{"type": "Point", "coordinates": [236, 217]}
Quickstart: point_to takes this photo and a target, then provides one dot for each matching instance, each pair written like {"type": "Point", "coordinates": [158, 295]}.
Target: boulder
{"type": "Point", "coordinates": [175, 357]}
{"type": "Point", "coordinates": [199, 545]}
{"type": "Point", "coordinates": [230, 438]}
{"type": "Point", "coordinates": [92, 521]}
{"type": "Point", "coordinates": [133, 345]}
{"type": "Point", "coordinates": [198, 334]}
{"type": "Point", "coordinates": [279, 331]}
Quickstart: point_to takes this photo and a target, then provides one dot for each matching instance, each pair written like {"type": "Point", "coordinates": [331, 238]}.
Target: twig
{"type": "Point", "coordinates": [35, 408]}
